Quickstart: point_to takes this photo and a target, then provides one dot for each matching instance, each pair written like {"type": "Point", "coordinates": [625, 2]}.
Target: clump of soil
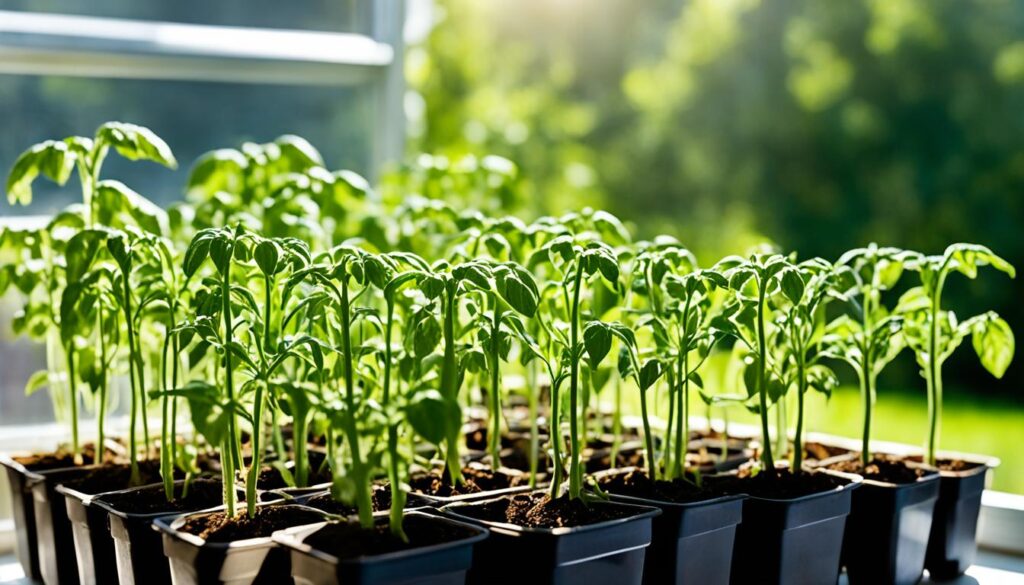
{"type": "Point", "coordinates": [478, 478]}
{"type": "Point", "coordinates": [637, 484]}
{"type": "Point", "coordinates": [347, 540]}
{"type": "Point", "coordinates": [203, 493]}
{"type": "Point", "coordinates": [785, 485]}
{"type": "Point", "coordinates": [218, 527]}
{"type": "Point", "coordinates": [881, 468]}
{"type": "Point", "coordinates": [114, 476]}
{"type": "Point", "coordinates": [819, 452]}
{"type": "Point", "coordinates": [538, 510]}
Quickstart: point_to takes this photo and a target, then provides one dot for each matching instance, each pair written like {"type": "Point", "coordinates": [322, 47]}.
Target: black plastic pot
{"type": "Point", "coordinates": [138, 551]}
{"type": "Point", "coordinates": [795, 541]}
{"type": "Point", "coordinates": [58, 562]}
{"type": "Point", "coordinates": [442, 564]}
{"type": "Point", "coordinates": [691, 543]}
{"type": "Point", "coordinates": [887, 533]}
{"type": "Point", "coordinates": [609, 552]}
{"type": "Point", "coordinates": [94, 548]}
{"type": "Point", "coordinates": [952, 544]}
{"type": "Point", "coordinates": [23, 512]}
{"type": "Point", "coordinates": [193, 561]}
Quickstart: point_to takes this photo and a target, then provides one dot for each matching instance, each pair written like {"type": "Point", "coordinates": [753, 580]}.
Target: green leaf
{"type": "Point", "coordinates": [81, 251]}
{"type": "Point", "coordinates": [196, 253]}
{"type": "Point", "coordinates": [473, 272]}
{"type": "Point", "coordinates": [55, 159]}
{"type": "Point", "coordinates": [994, 343]}
{"type": "Point", "coordinates": [432, 416]}
{"type": "Point", "coordinates": [597, 339]}
{"type": "Point", "coordinates": [793, 285]}
{"type": "Point", "coordinates": [136, 143]}
{"type": "Point", "coordinates": [649, 374]}
{"type": "Point", "coordinates": [36, 382]}
{"type": "Point", "coordinates": [266, 255]}
{"type": "Point", "coordinates": [218, 170]}
{"type": "Point", "coordinates": [426, 336]}
{"type": "Point", "coordinates": [520, 295]}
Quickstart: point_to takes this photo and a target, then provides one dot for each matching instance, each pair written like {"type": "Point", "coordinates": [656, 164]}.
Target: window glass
{"type": "Point", "coordinates": [321, 15]}
{"type": "Point", "coordinates": [193, 117]}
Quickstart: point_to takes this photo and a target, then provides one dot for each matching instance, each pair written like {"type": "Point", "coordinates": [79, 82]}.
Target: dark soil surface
{"type": "Point", "coordinates": [635, 483]}
{"type": "Point", "coordinates": [271, 479]}
{"type": "Point", "coordinates": [784, 486]}
{"type": "Point", "coordinates": [203, 493]}
{"type": "Point", "coordinates": [819, 452]}
{"type": "Point", "coordinates": [881, 468]}
{"type": "Point", "coordinates": [61, 458]}
{"type": "Point", "coordinates": [381, 501]}
{"type": "Point", "coordinates": [218, 527]}
{"type": "Point", "coordinates": [350, 541]}
{"type": "Point", "coordinates": [602, 460]}
{"type": "Point", "coordinates": [951, 465]}
{"type": "Point", "coordinates": [114, 476]}
{"type": "Point", "coordinates": [538, 510]}
{"type": "Point", "coordinates": [479, 478]}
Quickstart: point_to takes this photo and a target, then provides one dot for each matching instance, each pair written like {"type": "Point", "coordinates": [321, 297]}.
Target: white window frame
{"type": "Point", "coordinates": [40, 44]}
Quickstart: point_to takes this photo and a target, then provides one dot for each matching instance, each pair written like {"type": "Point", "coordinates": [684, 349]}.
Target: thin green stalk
{"type": "Point", "coordinates": [363, 500]}
{"type": "Point", "coordinates": [556, 442]}
{"type": "Point", "coordinates": [230, 450]}
{"type": "Point", "coordinates": [101, 407]}
{"type": "Point", "coordinates": [133, 418]}
{"type": "Point", "coordinates": [683, 423]}
{"type": "Point", "coordinates": [798, 442]}
{"type": "Point", "coordinates": [166, 465]}
{"type": "Point", "coordinates": [934, 370]}
{"type": "Point", "coordinates": [494, 440]}
{"type": "Point", "coordinates": [762, 385]}
{"type": "Point", "coordinates": [667, 451]}
{"type": "Point", "coordinates": [394, 475]}
{"type": "Point", "coordinates": [652, 468]}
{"type": "Point", "coordinates": [73, 395]}
{"type": "Point", "coordinates": [617, 419]}
{"type": "Point", "coordinates": [532, 391]}
{"type": "Point", "coordinates": [575, 472]}
{"type": "Point", "coordinates": [449, 383]}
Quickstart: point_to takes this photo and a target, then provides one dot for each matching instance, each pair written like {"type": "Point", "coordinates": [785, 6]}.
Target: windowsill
{"type": "Point", "coordinates": [990, 569]}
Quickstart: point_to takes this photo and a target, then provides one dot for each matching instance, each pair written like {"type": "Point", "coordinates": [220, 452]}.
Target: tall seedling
{"type": "Point", "coordinates": [934, 333]}
{"type": "Point", "coordinates": [871, 337]}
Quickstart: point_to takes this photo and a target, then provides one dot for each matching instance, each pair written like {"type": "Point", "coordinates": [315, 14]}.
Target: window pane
{"type": "Point", "coordinates": [324, 15]}
{"type": "Point", "coordinates": [193, 117]}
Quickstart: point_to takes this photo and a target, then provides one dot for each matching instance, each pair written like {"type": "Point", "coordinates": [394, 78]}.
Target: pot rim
{"type": "Point", "coordinates": [931, 473]}
{"type": "Point", "coordinates": [853, 482]}
{"type": "Point", "coordinates": [289, 538]}
{"type": "Point", "coordinates": [110, 509]}
{"type": "Point", "coordinates": [169, 525]}
{"type": "Point", "coordinates": [641, 512]}
{"type": "Point", "coordinates": [666, 503]}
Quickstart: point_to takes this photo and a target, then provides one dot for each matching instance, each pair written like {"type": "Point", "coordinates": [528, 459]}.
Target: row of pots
{"type": "Point", "coordinates": [881, 533]}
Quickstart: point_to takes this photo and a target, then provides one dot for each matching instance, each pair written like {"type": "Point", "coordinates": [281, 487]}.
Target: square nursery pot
{"type": "Point", "coordinates": [23, 511]}
{"type": "Point", "coordinates": [604, 553]}
{"type": "Point", "coordinates": [952, 544]}
{"type": "Point", "coordinates": [888, 529]}
{"type": "Point", "coordinates": [691, 542]}
{"type": "Point", "coordinates": [440, 564]}
{"type": "Point", "coordinates": [194, 561]}
{"type": "Point", "coordinates": [793, 541]}
{"type": "Point", "coordinates": [94, 548]}
{"type": "Point", "coordinates": [55, 542]}
{"type": "Point", "coordinates": [138, 551]}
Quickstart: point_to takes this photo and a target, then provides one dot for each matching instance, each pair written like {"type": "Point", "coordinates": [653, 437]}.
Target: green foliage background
{"type": "Point", "coordinates": [819, 126]}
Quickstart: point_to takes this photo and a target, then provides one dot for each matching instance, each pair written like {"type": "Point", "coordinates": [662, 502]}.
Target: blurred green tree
{"type": "Point", "coordinates": [819, 125]}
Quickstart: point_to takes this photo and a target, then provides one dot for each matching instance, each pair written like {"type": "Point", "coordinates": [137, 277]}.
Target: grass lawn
{"type": "Point", "coordinates": [970, 424]}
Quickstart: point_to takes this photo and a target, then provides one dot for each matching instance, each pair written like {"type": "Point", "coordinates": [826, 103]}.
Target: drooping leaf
{"type": "Point", "coordinates": [994, 343]}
